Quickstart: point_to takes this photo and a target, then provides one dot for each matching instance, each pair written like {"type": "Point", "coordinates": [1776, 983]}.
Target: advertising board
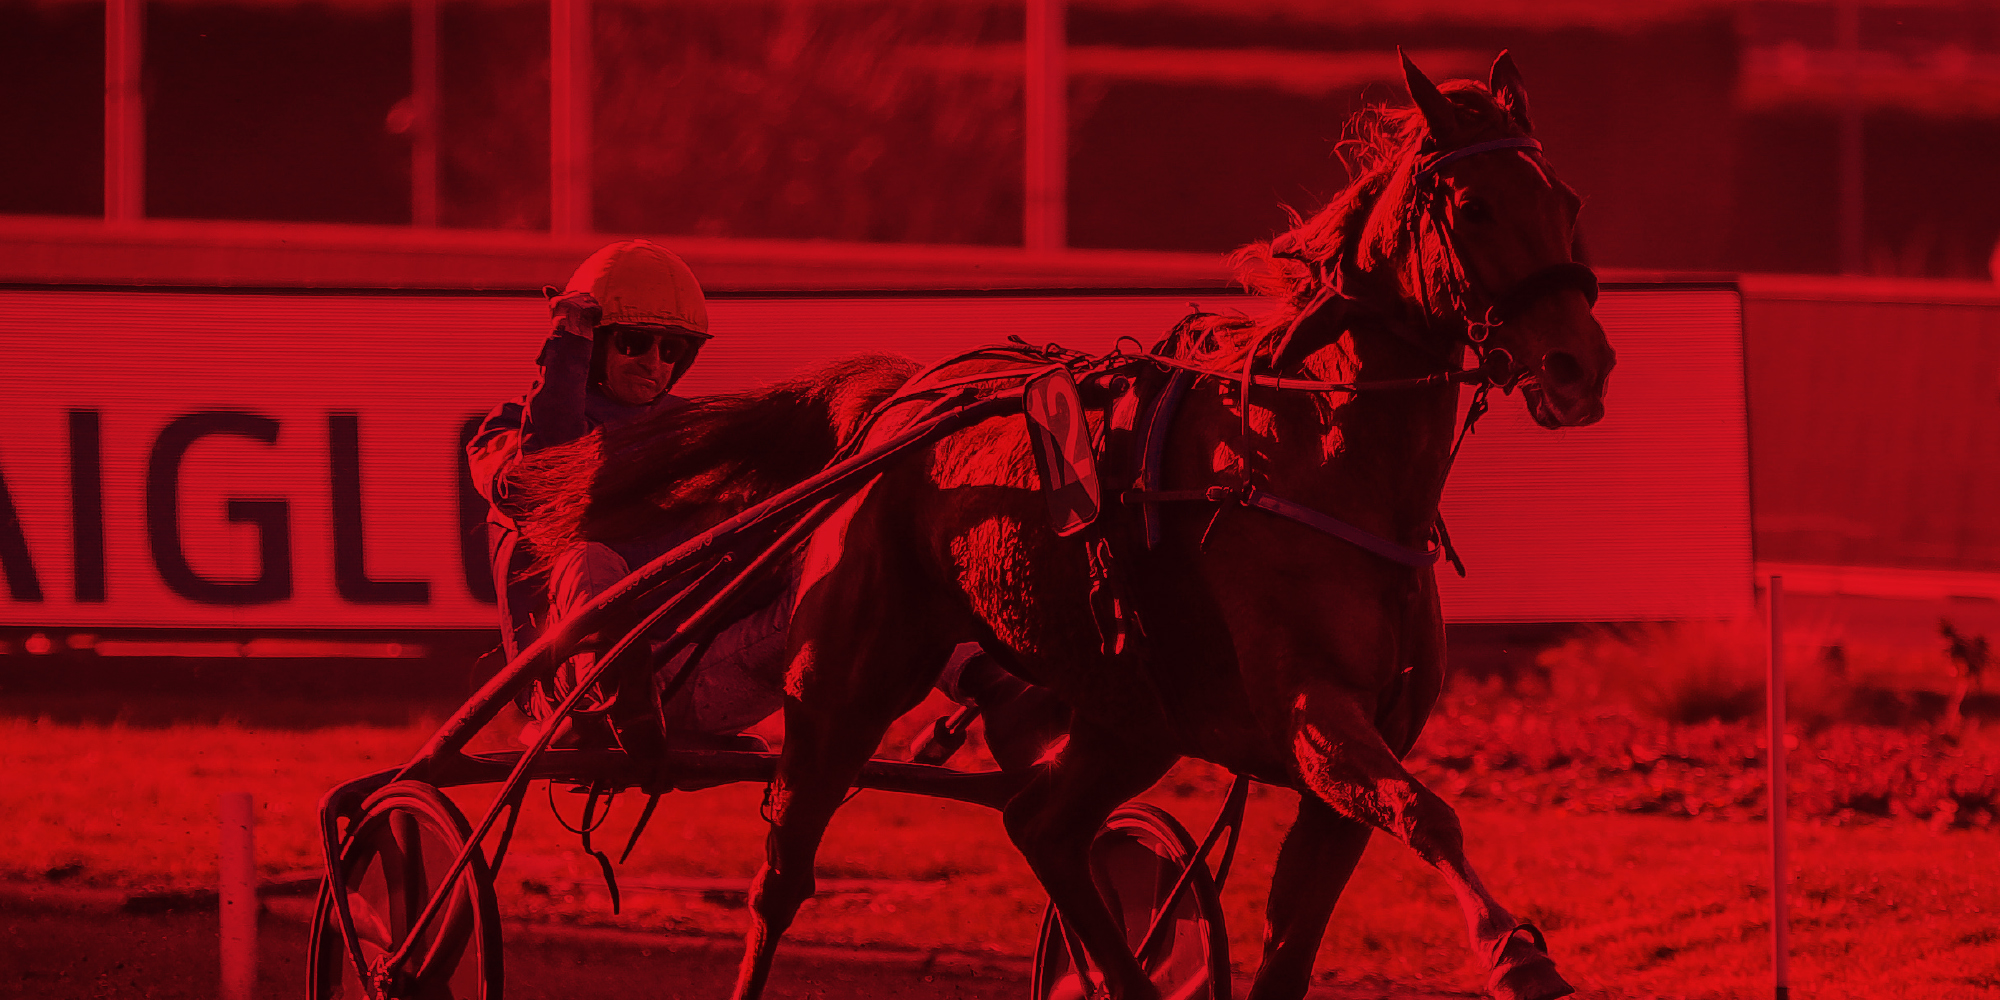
{"type": "Point", "coordinates": [210, 460]}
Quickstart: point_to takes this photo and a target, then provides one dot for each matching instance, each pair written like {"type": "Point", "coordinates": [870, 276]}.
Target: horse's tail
{"type": "Point", "coordinates": [726, 451]}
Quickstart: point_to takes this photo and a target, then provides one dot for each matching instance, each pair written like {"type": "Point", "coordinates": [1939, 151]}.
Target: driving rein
{"type": "Point", "coordinates": [1495, 368]}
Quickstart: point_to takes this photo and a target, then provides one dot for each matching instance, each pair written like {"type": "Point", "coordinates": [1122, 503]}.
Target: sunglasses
{"type": "Point", "coordinates": [634, 343]}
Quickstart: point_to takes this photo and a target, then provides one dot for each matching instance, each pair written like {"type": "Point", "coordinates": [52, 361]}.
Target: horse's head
{"type": "Point", "coordinates": [1478, 232]}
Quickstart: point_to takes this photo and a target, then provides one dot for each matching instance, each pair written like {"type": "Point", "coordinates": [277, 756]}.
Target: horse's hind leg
{"type": "Point", "coordinates": [1319, 854]}
{"type": "Point", "coordinates": [1343, 760]}
{"type": "Point", "coordinates": [823, 755]}
{"type": "Point", "coordinates": [811, 784]}
{"type": "Point", "coordinates": [1053, 822]}
{"type": "Point", "coordinates": [861, 658]}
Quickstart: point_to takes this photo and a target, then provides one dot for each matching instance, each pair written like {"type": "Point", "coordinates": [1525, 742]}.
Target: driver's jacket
{"type": "Point", "coordinates": [559, 408]}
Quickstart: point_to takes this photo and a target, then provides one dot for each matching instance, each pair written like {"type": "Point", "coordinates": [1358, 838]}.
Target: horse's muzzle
{"type": "Point", "coordinates": [1565, 389]}
{"type": "Point", "coordinates": [1556, 408]}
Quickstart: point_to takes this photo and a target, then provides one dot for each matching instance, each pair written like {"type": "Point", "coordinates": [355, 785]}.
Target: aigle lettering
{"type": "Point", "coordinates": [271, 518]}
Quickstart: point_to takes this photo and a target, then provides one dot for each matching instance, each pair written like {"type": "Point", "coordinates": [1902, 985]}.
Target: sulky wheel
{"type": "Point", "coordinates": [394, 859]}
{"type": "Point", "coordinates": [1135, 861]}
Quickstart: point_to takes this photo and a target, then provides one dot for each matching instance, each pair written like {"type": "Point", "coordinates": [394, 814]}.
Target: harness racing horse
{"type": "Point", "coordinates": [1277, 651]}
{"type": "Point", "coordinates": [1283, 608]}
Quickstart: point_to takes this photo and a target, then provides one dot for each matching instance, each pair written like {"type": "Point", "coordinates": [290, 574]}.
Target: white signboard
{"type": "Point", "coordinates": [212, 460]}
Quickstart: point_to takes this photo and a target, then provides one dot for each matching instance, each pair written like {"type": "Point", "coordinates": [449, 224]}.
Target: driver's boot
{"type": "Point", "coordinates": [1024, 722]}
{"type": "Point", "coordinates": [580, 574]}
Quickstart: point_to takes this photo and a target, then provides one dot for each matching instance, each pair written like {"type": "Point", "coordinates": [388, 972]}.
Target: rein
{"type": "Point", "coordinates": [1495, 367]}
{"type": "Point", "coordinates": [1462, 376]}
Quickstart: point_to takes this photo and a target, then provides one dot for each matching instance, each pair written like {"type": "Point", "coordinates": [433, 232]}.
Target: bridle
{"type": "Point", "coordinates": [1428, 200]}
{"type": "Point", "coordinates": [1495, 367]}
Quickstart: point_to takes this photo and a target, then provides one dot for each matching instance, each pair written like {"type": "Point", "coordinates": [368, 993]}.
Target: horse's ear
{"type": "Point", "coordinates": [1510, 91]}
{"type": "Point", "coordinates": [1438, 112]}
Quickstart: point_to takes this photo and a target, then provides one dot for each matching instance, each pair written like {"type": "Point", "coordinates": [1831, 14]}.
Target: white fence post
{"type": "Point", "coordinates": [237, 891]}
{"type": "Point", "coordinates": [570, 99]}
{"type": "Point", "coordinates": [1044, 224]}
{"type": "Point", "coordinates": [1775, 696]}
{"type": "Point", "coordinates": [124, 111]}
{"type": "Point", "coordinates": [424, 113]}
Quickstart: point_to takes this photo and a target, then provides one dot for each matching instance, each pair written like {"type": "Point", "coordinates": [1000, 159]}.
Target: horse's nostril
{"type": "Point", "coordinates": [1562, 368]}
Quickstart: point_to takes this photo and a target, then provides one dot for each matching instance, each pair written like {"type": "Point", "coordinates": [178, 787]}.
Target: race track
{"type": "Point", "coordinates": [63, 944]}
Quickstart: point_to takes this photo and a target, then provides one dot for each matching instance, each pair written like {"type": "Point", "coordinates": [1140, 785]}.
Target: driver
{"type": "Point", "coordinates": [627, 328]}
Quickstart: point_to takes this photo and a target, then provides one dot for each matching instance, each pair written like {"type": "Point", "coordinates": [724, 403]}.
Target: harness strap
{"type": "Point", "coordinates": [1213, 494]}
{"type": "Point", "coordinates": [1416, 558]}
{"type": "Point", "coordinates": [1159, 420]}
{"type": "Point", "coordinates": [1444, 545]}
{"type": "Point", "coordinates": [1251, 496]}
{"type": "Point", "coordinates": [1117, 621]}
{"type": "Point", "coordinates": [1461, 376]}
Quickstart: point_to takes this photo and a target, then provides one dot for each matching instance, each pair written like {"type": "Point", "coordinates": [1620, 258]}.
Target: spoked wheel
{"type": "Point", "coordinates": [1135, 861]}
{"type": "Point", "coordinates": [393, 864]}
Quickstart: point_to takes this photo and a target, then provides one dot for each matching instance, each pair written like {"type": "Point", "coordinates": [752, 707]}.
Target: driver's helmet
{"type": "Point", "coordinates": [640, 283]}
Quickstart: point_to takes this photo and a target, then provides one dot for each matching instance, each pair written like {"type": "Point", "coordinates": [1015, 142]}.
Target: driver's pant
{"type": "Point", "coordinates": [740, 675]}
{"type": "Point", "coordinates": [739, 678]}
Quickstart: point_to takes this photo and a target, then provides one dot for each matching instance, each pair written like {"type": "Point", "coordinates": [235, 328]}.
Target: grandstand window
{"type": "Point", "coordinates": [276, 113]}
{"type": "Point", "coordinates": [52, 73]}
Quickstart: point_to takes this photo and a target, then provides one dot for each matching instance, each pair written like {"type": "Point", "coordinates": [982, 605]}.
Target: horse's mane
{"type": "Point", "coordinates": [723, 452]}
{"type": "Point", "coordinates": [1379, 147]}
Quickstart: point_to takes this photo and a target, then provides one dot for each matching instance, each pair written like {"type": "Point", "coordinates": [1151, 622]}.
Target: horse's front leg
{"type": "Point", "coordinates": [1344, 761]}
{"type": "Point", "coordinates": [1318, 856]}
{"type": "Point", "coordinates": [1053, 822]}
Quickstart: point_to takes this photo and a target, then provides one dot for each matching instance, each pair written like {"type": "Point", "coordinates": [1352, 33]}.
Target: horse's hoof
{"type": "Point", "coordinates": [1534, 979]}
{"type": "Point", "coordinates": [1523, 969]}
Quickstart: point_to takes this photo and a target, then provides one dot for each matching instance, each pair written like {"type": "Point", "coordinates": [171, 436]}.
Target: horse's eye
{"type": "Point", "coordinates": [1473, 209]}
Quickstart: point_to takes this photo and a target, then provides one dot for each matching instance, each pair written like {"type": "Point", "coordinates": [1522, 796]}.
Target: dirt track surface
{"type": "Point", "coordinates": [62, 944]}
{"type": "Point", "coordinates": [77, 945]}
